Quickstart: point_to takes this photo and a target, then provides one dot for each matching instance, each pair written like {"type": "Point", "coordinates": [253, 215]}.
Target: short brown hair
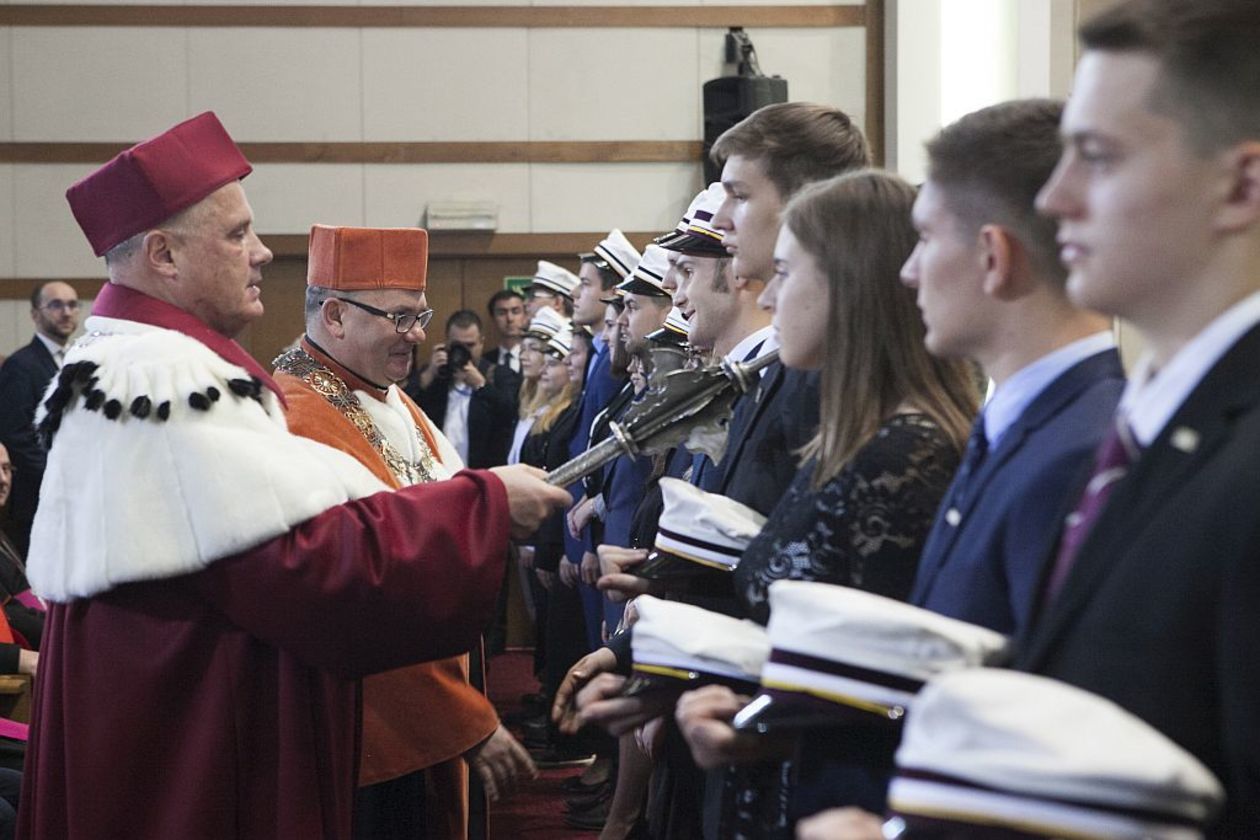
{"type": "Point", "coordinates": [1208, 57]}
{"type": "Point", "coordinates": [990, 166]}
{"type": "Point", "coordinates": [795, 143]}
{"type": "Point", "coordinates": [857, 228]}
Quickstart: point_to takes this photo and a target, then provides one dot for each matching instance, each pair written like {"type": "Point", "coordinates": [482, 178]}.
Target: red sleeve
{"type": "Point", "coordinates": [396, 578]}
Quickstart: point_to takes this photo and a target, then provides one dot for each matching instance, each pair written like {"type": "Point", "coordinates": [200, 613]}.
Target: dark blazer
{"type": "Point", "coordinates": [767, 428]}
{"type": "Point", "coordinates": [1161, 611]}
{"type": "Point", "coordinates": [493, 357]}
{"type": "Point", "coordinates": [987, 569]}
{"type": "Point", "coordinates": [23, 379]}
{"type": "Point", "coordinates": [491, 411]}
{"type": "Point", "coordinates": [549, 450]}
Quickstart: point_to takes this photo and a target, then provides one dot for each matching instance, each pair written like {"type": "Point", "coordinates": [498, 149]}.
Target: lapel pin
{"type": "Point", "coordinates": [1185, 439]}
{"type": "Point", "coordinates": [953, 517]}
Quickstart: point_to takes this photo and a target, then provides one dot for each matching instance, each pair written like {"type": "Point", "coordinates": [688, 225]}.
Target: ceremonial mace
{"type": "Point", "coordinates": [685, 403]}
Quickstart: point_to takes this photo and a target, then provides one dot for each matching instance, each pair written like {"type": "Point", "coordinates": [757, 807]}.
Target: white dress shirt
{"type": "Point", "coordinates": [1153, 397]}
{"type": "Point", "coordinates": [511, 357]}
{"type": "Point", "coordinates": [455, 424]}
{"type": "Point", "coordinates": [58, 351]}
{"type": "Point", "coordinates": [1025, 385]}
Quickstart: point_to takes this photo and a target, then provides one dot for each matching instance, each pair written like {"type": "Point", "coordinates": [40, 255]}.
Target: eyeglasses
{"type": "Point", "coordinates": [403, 321]}
{"type": "Point", "coordinates": [62, 305]}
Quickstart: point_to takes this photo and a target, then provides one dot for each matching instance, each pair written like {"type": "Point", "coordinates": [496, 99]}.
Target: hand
{"type": "Point", "coordinates": [601, 703]}
{"type": "Point", "coordinates": [580, 515]}
{"type": "Point", "coordinates": [590, 568]}
{"type": "Point", "coordinates": [525, 556]}
{"type": "Point", "coordinates": [562, 711]}
{"type": "Point", "coordinates": [618, 586]}
{"type": "Point", "coordinates": [704, 717]}
{"type": "Point", "coordinates": [471, 377]}
{"type": "Point", "coordinates": [500, 762]}
{"type": "Point", "coordinates": [569, 573]}
{"type": "Point", "coordinates": [546, 578]}
{"type": "Point", "coordinates": [530, 498]}
{"type": "Point", "coordinates": [841, 824]}
{"type": "Point", "coordinates": [614, 559]}
{"type": "Point", "coordinates": [28, 662]}
{"type": "Point", "coordinates": [436, 361]}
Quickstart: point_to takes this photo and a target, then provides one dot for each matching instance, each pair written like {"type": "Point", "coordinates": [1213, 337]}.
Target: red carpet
{"type": "Point", "coordinates": [535, 811]}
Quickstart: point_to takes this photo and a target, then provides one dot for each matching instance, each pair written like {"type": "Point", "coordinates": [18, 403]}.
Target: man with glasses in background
{"type": "Point", "coordinates": [423, 725]}
{"type": "Point", "coordinates": [23, 379]}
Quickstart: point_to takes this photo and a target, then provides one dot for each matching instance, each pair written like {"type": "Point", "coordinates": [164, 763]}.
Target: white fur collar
{"type": "Point", "coordinates": [130, 496]}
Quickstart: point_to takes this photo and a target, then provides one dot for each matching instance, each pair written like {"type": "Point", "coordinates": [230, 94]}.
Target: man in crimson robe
{"type": "Point", "coordinates": [366, 310]}
{"type": "Point", "coordinates": [218, 585]}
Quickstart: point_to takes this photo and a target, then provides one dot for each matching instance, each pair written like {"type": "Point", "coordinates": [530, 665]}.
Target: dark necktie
{"type": "Point", "coordinates": [964, 479]}
{"type": "Point", "coordinates": [1117, 452]}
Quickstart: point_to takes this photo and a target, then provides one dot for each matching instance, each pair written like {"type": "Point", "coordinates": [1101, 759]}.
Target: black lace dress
{"type": "Point", "coordinates": [864, 528]}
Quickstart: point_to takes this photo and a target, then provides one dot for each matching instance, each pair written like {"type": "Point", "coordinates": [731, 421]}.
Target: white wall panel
{"type": "Point", "coordinates": [821, 65]}
{"type": "Point", "coordinates": [598, 197]}
{"type": "Point", "coordinates": [290, 197]}
{"type": "Point", "coordinates": [445, 84]}
{"type": "Point", "coordinates": [83, 83]}
{"type": "Point", "coordinates": [613, 84]}
{"type": "Point", "coordinates": [6, 83]}
{"type": "Point", "coordinates": [279, 84]}
{"type": "Point", "coordinates": [47, 241]}
{"type": "Point", "coordinates": [397, 194]}
{"type": "Point", "coordinates": [7, 209]}
{"type": "Point", "coordinates": [15, 325]}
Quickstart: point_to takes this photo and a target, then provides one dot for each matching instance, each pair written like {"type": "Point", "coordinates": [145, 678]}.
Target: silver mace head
{"type": "Point", "coordinates": [685, 401]}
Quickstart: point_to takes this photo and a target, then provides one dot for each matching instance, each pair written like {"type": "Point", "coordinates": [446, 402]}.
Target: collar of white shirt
{"type": "Point", "coordinates": [58, 351]}
{"type": "Point", "coordinates": [1009, 401]}
{"type": "Point", "coordinates": [1153, 397]}
{"type": "Point", "coordinates": [766, 337]}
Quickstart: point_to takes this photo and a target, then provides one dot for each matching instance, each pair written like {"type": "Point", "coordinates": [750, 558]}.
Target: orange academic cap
{"type": "Point", "coordinates": [356, 259]}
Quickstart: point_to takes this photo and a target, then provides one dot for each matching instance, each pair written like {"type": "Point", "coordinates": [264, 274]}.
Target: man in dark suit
{"type": "Point", "coordinates": [23, 379]}
{"type": "Point", "coordinates": [507, 308]}
{"type": "Point", "coordinates": [1151, 599]}
{"type": "Point", "coordinates": [474, 403]}
{"type": "Point", "coordinates": [765, 160]}
{"type": "Point", "coordinates": [991, 289]}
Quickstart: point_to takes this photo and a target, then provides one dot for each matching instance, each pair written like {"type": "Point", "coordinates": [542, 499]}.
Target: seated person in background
{"type": "Point", "coordinates": [23, 612]}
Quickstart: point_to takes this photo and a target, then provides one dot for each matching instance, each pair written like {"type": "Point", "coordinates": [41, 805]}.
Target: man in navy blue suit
{"type": "Point", "coordinates": [23, 379]}
{"type": "Point", "coordinates": [992, 289]}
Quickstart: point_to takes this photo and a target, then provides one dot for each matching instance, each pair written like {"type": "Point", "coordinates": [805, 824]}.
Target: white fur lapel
{"type": "Point", "coordinates": [140, 498]}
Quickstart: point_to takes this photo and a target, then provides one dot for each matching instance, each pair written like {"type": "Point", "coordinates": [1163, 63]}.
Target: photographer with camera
{"type": "Point", "coordinates": [474, 398]}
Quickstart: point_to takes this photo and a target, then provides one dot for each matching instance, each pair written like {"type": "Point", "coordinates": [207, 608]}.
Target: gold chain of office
{"type": "Point", "coordinates": [298, 363]}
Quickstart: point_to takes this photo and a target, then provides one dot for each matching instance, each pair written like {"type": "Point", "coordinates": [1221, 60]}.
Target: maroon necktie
{"type": "Point", "coordinates": [1117, 452]}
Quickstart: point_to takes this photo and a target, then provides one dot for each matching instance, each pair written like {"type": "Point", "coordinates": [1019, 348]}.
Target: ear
{"type": "Point", "coordinates": [999, 254]}
{"type": "Point", "coordinates": [157, 251]}
{"type": "Point", "coordinates": [331, 312]}
{"type": "Point", "coordinates": [1242, 203]}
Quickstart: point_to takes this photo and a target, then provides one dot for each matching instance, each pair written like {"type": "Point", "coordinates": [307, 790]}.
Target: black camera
{"type": "Point", "coordinates": [457, 356]}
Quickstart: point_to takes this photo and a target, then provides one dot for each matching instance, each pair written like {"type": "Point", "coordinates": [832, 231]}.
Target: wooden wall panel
{"type": "Point", "coordinates": [431, 16]}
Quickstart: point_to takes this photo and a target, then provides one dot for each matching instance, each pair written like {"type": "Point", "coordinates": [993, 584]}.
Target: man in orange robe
{"type": "Point", "coordinates": [365, 312]}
